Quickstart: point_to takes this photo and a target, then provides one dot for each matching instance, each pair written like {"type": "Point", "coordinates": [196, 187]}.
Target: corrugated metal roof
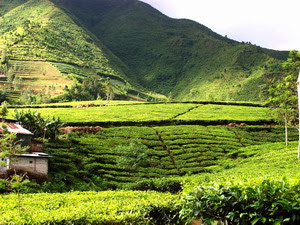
{"type": "Point", "coordinates": [17, 128]}
{"type": "Point", "coordinates": [36, 155]}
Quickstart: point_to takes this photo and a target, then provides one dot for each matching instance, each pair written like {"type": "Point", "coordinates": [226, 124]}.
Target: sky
{"type": "Point", "coordinates": [273, 24]}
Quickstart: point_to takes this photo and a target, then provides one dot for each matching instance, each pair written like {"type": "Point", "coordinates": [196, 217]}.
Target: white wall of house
{"type": "Point", "coordinates": [31, 164]}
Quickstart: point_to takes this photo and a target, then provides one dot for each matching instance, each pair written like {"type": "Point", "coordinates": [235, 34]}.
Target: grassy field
{"type": "Point", "coordinates": [175, 158]}
{"type": "Point", "coordinates": [140, 112]}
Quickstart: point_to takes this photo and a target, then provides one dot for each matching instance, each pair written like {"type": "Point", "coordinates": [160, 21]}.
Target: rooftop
{"type": "Point", "coordinates": [16, 128]}
{"type": "Point", "coordinates": [35, 155]}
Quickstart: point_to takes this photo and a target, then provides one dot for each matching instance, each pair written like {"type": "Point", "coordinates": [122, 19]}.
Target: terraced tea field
{"type": "Point", "coordinates": [188, 113]}
{"type": "Point", "coordinates": [167, 147]}
{"type": "Point", "coordinates": [172, 150]}
{"type": "Point", "coordinates": [225, 112]}
{"type": "Point", "coordinates": [39, 76]}
{"type": "Point", "coordinates": [78, 103]}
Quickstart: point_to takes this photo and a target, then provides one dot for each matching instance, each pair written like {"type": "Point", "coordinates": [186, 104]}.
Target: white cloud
{"type": "Point", "coordinates": [268, 23]}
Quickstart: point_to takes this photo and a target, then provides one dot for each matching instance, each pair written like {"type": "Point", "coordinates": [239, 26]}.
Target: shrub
{"type": "Point", "coordinates": [133, 155]}
{"type": "Point", "coordinates": [160, 185]}
{"type": "Point", "coordinates": [271, 202]}
{"type": "Point", "coordinates": [3, 185]}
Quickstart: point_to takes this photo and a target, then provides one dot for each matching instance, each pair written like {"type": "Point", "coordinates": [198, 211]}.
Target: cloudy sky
{"type": "Point", "coordinates": [272, 24]}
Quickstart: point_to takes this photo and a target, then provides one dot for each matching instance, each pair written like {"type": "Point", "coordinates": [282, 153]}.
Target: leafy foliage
{"type": "Point", "coordinates": [121, 207]}
{"type": "Point", "coordinates": [41, 127]}
{"type": "Point", "coordinates": [10, 147]}
{"type": "Point", "coordinates": [3, 110]}
{"type": "Point", "coordinates": [270, 202]}
{"type": "Point", "coordinates": [160, 185]}
{"type": "Point", "coordinates": [283, 96]}
{"type": "Point", "coordinates": [133, 155]}
{"type": "Point", "coordinates": [172, 151]}
{"type": "Point", "coordinates": [91, 88]}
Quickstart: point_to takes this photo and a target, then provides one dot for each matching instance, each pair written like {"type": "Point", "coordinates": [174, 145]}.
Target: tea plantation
{"type": "Point", "coordinates": [132, 113]}
{"type": "Point", "coordinates": [179, 148]}
{"type": "Point", "coordinates": [172, 150]}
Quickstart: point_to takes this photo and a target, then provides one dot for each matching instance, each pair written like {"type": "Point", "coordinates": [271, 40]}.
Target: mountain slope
{"type": "Point", "coordinates": [37, 30]}
{"type": "Point", "coordinates": [50, 43]}
{"type": "Point", "coordinates": [180, 57]}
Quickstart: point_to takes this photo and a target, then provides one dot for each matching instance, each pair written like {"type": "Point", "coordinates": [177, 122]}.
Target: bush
{"type": "Point", "coordinates": [271, 202]}
{"type": "Point", "coordinates": [3, 185]}
{"type": "Point", "coordinates": [133, 155]}
{"type": "Point", "coordinates": [160, 185]}
{"type": "Point", "coordinates": [165, 215]}
{"type": "Point", "coordinates": [108, 207]}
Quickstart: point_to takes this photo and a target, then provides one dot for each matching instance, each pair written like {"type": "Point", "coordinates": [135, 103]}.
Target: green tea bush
{"type": "Point", "coordinates": [109, 207]}
{"type": "Point", "coordinates": [160, 185]}
{"type": "Point", "coordinates": [269, 202]}
{"type": "Point", "coordinates": [80, 155]}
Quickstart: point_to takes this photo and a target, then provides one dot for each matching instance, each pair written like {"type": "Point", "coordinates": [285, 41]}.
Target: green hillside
{"type": "Point", "coordinates": [179, 139]}
{"type": "Point", "coordinates": [172, 150]}
{"type": "Point", "coordinates": [181, 58]}
{"type": "Point", "coordinates": [38, 31]}
{"type": "Point", "coordinates": [141, 50]}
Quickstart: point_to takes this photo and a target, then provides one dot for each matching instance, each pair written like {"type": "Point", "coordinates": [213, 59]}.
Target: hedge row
{"type": "Point", "coordinates": [60, 105]}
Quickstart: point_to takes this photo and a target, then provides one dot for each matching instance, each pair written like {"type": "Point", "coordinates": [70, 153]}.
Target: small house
{"type": "Point", "coordinates": [35, 162]}
{"type": "Point", "coordinates": [31, 160]}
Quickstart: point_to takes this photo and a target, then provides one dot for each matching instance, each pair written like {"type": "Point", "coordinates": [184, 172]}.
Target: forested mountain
{"type": "Point", "coordinates": [135, 45]}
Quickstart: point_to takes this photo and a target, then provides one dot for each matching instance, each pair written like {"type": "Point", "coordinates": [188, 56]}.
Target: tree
{"type": "Point", "coordinates": [282, 95]}
{"type": "Point", "coordinates": [108, 89]}
{"type": "Point", "coordinates": [3, 110]}
{"type": "Point", "coordinates": [3, 59]}
{"type": "Point", "coordinates": [3, 94]}
{"type": "Point", "coordinates": [10, 148]}
{"type": "Point", "coordinates": [10, 75]}
{"type": "Point", "coordinates": [94, 86]}
{"type": "Point", "coordinates": [18, 82]}
{"type": "Point", "coordinates": [283, 103]}
{"type": "Point", "coordinates": [41, 127]}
